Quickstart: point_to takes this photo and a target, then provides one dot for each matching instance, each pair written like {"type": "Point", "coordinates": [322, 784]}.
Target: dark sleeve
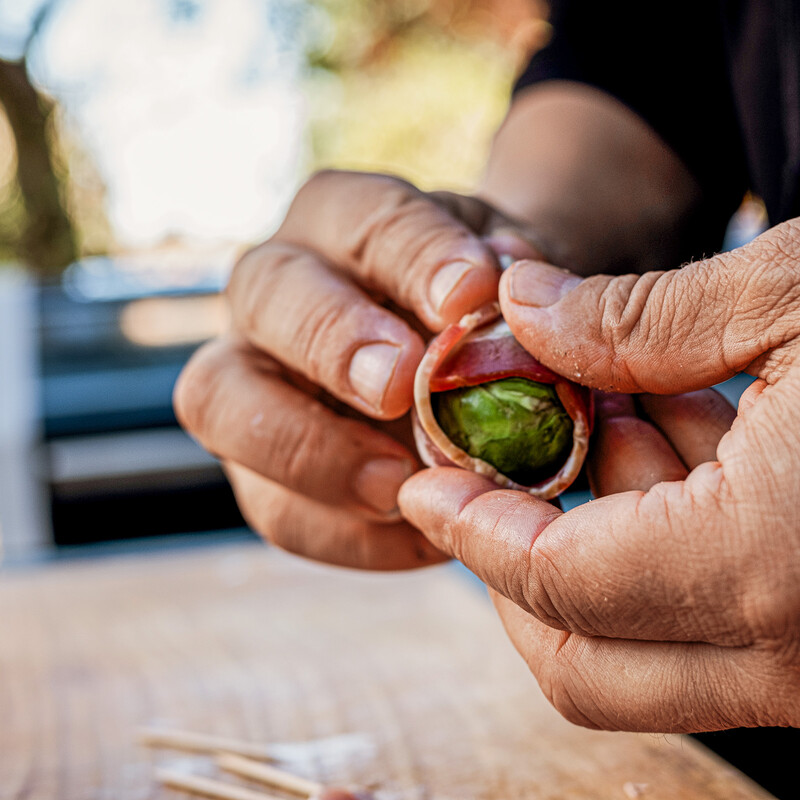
{"type": "Point", "coordinates": [667, 62]}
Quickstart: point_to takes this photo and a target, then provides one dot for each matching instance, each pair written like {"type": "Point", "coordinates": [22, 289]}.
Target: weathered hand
{"type": "Point", "coordinates": [673, 603]}
{"type": "Point", "coordinates": [288, 399]}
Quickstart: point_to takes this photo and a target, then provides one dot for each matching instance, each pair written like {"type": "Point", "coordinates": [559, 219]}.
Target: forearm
{"type": "Point", "coordinates": [600, 189]}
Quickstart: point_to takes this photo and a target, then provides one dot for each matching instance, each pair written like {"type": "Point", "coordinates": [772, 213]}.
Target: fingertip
{"type": "Point", "coordinates": [431, 496]}
{"type": "Point", "coordinates": [490, 530]}
{"type": "Point", "coordinates": [447, 479]}
{"type": "Point", "coordinates": [381, 374]}
{"type": "Point", "coordinates": [526, 291]}
{"type": "Point", "coordinates": [694, 423]}
{"type": "Point", "coordinates": [444, 500]}
{"type": "Point", "coordinates": [530, 284]}
{"type": "Point", "coordinates": [460, 287]}
{"type": "Point", "coordinates": [416, 491]}
{"type": "Point", "coordinates": [399, 395]}
{"type": "Point", "coordinates": [750, 395]}
{"type": "Point", "coordinates": [556, 316]}
{"type": "Point", "coordinates": [630, 453]}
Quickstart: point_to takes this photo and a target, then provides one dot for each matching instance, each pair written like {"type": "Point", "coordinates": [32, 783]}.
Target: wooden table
{"type": "Point", "coordinates": [406, 683]}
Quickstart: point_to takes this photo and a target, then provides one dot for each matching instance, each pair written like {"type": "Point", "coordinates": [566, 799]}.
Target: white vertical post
{"type": "Point", "coordinates": [24, 520]}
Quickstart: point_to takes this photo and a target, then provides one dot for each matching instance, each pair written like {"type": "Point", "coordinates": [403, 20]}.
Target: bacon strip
{"type": "Point", "coordinates": [478, 349]}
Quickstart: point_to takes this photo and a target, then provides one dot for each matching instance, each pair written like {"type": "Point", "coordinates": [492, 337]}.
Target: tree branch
{"type": "Point", "coordinates": [48, 241]}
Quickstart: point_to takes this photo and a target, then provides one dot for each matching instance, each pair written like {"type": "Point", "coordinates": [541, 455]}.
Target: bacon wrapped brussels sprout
{"type": "Point", "coordinates": [482, 402]}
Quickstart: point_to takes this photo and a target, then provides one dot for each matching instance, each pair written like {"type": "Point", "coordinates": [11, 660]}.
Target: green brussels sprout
{"type": "Point", "coordinates": [517, 425]}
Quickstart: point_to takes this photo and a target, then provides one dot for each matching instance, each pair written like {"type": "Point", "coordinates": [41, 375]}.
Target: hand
{"type": "Point", "coordinates": [676, 606]}
{"type": "Point", "coordinates": [305, 400]}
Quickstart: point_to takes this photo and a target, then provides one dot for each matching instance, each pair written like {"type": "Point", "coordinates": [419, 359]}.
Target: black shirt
{"type": "Point", "coordinates": [719, 80]}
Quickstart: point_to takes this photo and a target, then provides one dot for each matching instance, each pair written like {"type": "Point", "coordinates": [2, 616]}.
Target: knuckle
{"type": "Point", "coordinates": [399, 203]}
{"type": "Point", "coordinates": [659, 309]}
{"type": "Point", "coordinates": [302, 448]}
{"type": "Point", "coordinates": [771, 609]}
{"type": "Point", "coordinates": [640, 314]}
{"type": "Point", "coordinates": [565, 702]}
{"type": "Point", "coordinates": [567, 693]}
{"type": "Point", "coordinates": [493, 511]}
{"type": "Point", "coordinates": [245, 263]}
{"type": "Point", "coordinates": [321, 351]}
{"type": "Point", "coordinates": [315, 331]}
{"type": "Point", "coordinates": [768, 295]}
{"type": "Point", "coordinates": [546, 591]}
{"type": "Point", "coordinates": [551, 596]}
{"type": "Point", "coordinates": [450, 539]}
{"type": "Point", "coordinates": [622, 308]}
{"type": "Point", "coordinates": [517, 587]}
{"type": "Point", "coordinates": [249, 262]}
{"type": "Point", "coordinates": [431, 247]}
{"type": "Point", "coordinates": [410, 231]}
{"type": "Point", "coordinates": [256, 280]}
{"type": "Point", "coordinates": [317, 183]}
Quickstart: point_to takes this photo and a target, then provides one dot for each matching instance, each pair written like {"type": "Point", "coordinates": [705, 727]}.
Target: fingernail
{"type": "Point", "coordinates": [371, 370]}
{"type": "Point", "coordinates": [540, 285]}
{"type": "Point", "coordinates": [445, 281]}
{"type": "Point", "coordinates": [379, 482]}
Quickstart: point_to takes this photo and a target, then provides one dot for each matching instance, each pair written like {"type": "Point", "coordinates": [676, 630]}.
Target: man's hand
{"type": "Point", "coordinates": [303, 400]}
{"type": "Point", "coordinates": [672, 603]}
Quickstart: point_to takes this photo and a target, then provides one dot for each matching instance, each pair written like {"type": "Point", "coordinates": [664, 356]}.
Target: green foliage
{"type": "Point", "coordinates": [52, 201]}
{"type": "Point", "coordinates": [516, 425]}
{"type": "Point", "coordinates": [12, 207]}
{"type": "Point", "coordinates": [394, 91]}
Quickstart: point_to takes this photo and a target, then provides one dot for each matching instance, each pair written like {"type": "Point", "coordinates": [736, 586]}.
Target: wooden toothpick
{"type": "Point", "coordinates": [202, 743]}
{"type": "Point", "coordinates": [269, 776]}
{"type": "Point", "coordinates": [236, 757]}
{"type": "Point", "coordinates": [207, 787]}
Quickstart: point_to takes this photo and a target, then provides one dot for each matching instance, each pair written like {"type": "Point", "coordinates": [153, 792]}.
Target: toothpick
{"type": "Point", "coordinates": [208, 787]}
{"type": "Point", "coordinates": [202, 743]}
{"type": "Point", "coordinates": [270, 776]}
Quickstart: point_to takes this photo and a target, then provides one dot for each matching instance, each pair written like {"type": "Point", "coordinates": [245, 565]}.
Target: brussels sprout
{"type": "Point", "coordinates": [517, 425]}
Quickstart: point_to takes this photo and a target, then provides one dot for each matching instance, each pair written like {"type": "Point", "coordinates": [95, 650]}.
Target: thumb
{"type": "Point", "coordinates": [663, 332]}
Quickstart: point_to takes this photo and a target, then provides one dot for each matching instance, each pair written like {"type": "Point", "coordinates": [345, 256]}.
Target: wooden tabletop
{"type": "Point", "coordinates": [403, 683]}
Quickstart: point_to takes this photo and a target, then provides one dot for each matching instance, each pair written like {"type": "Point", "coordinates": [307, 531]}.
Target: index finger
{"type": "Point", "coordinates": [395, 238]}
{"type": "Point", "coordinates": [635, 565]}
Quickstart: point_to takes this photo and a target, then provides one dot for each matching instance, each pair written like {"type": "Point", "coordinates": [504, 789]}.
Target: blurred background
{"type": "Point", "coordinates": [143, 144]}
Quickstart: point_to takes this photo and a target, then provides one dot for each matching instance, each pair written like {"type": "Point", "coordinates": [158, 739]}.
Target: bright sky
{"type": "Point", "coordinates": [195, 120]}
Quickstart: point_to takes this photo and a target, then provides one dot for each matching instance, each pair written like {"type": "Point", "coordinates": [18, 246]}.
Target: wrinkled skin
{"type": "Point", "coordinates": [307, 399]}
{"type": "Point", "coordinates": [672, 603]}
